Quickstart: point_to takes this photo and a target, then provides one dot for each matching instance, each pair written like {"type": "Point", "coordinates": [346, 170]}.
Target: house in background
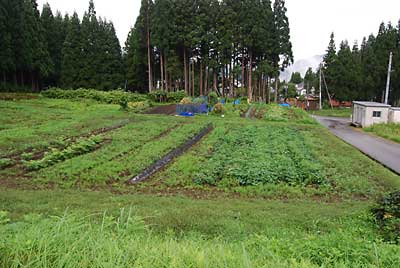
{"type": "Point", "coordinates": [366, 114]}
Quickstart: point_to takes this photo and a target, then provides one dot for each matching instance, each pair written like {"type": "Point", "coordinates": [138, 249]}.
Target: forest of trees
{"type": "Point", "coordinates": [200, 46]}
{"type": "Point", "coordinates": [360, 72]}
{"type": "Point", "coordinates": [228, 46]}
{"type": "Point", "coordinates": [40, 49]}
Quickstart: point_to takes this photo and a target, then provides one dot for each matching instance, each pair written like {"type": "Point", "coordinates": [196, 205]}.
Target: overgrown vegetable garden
{"type": "Point", "coordinates": [254, 155]}
{"type": "Point", "coordinates": [275, 188]}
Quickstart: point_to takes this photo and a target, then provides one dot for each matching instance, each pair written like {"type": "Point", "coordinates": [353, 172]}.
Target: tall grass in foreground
{"type": "Point", "coordinates": [125, 241]}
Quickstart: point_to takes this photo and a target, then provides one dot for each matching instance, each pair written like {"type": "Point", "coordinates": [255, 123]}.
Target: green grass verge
{"type": "Point", "coordinates": [337, 112]}
{"type": "Point", "coordinates": [103, 230]}
{"type": "Point", "coordinates": [387, 131]}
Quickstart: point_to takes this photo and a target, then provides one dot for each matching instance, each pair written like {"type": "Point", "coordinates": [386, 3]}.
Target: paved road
{"type": "Point", "coordinates": [383, 151]}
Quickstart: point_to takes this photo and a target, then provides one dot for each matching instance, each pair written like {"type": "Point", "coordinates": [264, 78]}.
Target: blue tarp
{"type": "Point", "coordinates": [285, 105]}
{"type": "Point", "coordinates": [187, 114]}
{"type": "Point", "coordinates": [192, 108]}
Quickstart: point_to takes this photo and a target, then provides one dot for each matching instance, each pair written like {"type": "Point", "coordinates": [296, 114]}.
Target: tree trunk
{"type": "Point", "coordinates": [190, 78]}
{"type": "Point", "coordinates": [185, 72]}
{"type": "Point", "coordinates": [201, 79]}
{"type": "Point", "coordinates": [162, 69]}
{"type": "Point", "coordinates": [276, 89]}
{"type": "Point", "coordinates": [37, 82]}
{"type": "Point", "coordinates": [215, 80]}
{"type": "Point", "coordinates": [193, 79]}
{"type": "Point", "coordinates": [250, 90]}
{"type": "Point", "coordinates": [231, 80]}
{"type": "Point", "coordinates": [206, 81]}
{"type": "Point", "coordinates": [149, 54]}
{"type": "Point", "coordinates": [243, 83]}
{"type": "Point", "coordinates": [33, 84]}
{"type": "Point", "coordinates": [22, 78]}
{"type": "Point", "coordinates": [4, 79]}
{"type": "Point", "coordinates": [263, 88]}
{"type": "Point", "coordinates": [223, 82]}
{"type": "Point", "coordinates": [167, 84]}
{"type": "Point", "coordinates": [268, 91]}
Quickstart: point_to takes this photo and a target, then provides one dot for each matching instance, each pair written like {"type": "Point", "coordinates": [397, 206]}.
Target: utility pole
{"type": "Point", "coordinates": [320, 87]}
{"type": "Point", "coordinates": [388, 78]}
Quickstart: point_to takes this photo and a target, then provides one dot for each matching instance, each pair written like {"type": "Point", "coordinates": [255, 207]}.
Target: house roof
{"type": "Point", "coordinates": [371, 104]}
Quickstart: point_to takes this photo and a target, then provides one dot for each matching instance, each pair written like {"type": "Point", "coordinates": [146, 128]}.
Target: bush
{"type": "Point", "coordinates": [242, 92]}
{"type": "Point", "coordinates": [200, 100]}
{"type": "Point", "coordinates": [186, 101]}
{"type": "Point", "coordinates": [158, 96]}
{"type": "Point", "coordinates": [387, 214]}
{"type": "Point", "coordinates": [176, 97]}
{"type": "Point", "coordinates": [110, 97]}
{"type": "Point", "coordinates": [219, 109]}
{"type": "Point", "coordinates": [123, 103]}
{"type": "Point", "coordinates": [212, 99]}
{"type": "Point", "coordinates": [138, 107]}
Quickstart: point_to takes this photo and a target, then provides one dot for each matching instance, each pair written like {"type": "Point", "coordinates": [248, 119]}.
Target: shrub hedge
{"type": "Point", "coordinates": [164, 96]}
{"type": "Point", "coordinates": [110, 97]}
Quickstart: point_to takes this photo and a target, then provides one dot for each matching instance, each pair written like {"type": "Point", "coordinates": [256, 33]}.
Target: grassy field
{"type": "Point", "coordinates": [336, 112]}
{"type": "Point", "coordinates": [387, 131]}
{"type": "Point", "coordinates": [279, 191]}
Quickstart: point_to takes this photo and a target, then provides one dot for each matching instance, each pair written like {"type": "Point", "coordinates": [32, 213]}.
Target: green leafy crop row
{"type": "Point", "coordinates": [261, 155]}
{"type": "Point", "coordinates": [5, 162]}
{"type": "Point", "coordinates": [56, 155]}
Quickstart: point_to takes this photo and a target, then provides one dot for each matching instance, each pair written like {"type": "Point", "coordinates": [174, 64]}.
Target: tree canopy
{"type": "Point", "coordinates": [208, 45]}
{"type": "Point", "coordinates": [40, 49]}
{"type": "Point", "coordinates": [360, 72]}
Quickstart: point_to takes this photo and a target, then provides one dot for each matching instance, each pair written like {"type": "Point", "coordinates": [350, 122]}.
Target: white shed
{"type": "Point", "coordinates": [366, 114]}
{"type": "Point", "coordinates": [394, 115]}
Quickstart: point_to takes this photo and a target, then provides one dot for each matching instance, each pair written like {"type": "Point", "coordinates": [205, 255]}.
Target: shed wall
{"type": "Point", "coordinates": [394, 116]}
{"type": "Point", "coordinates": [370, 120]}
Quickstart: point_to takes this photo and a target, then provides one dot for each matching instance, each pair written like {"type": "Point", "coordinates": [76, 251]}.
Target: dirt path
{"type": "Point", "coordinates": [384, 151]}
{"type": "Point", "coordinates": [164, 109]}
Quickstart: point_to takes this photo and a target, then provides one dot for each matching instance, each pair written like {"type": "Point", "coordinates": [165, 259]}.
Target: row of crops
{"type": "Point", "coordinates": [130, 150]}
{"type": "Point", "coordinates": [264, 154]}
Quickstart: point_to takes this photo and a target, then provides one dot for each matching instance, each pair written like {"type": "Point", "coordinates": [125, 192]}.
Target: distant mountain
{"type": "Point", "coordinates": [302, 66]}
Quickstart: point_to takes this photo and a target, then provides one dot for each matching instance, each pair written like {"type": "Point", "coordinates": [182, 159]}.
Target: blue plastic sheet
{"type": "Point", "coordinates": [192, 108]}
{"type": "Point", "coordinates": [187, 114]}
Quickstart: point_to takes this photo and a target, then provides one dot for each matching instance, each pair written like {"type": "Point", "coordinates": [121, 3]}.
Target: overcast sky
{"type": "Point", "coordinates": [311, 21]}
